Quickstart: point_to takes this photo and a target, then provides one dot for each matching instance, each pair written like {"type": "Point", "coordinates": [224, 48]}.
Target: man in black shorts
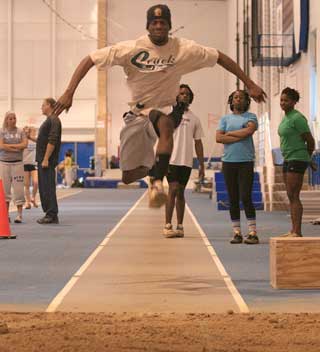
{"type": "Point", "coordinates": [181, 162]}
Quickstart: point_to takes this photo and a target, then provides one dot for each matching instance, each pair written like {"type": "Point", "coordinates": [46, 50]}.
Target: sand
{"type": "Point", "coordinates": [229, 332]}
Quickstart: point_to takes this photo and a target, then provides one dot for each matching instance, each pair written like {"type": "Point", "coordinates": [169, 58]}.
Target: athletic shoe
{"type": "Point", "coordinates": [237, 238]}
{"type": "Point", "coordinates": [28, 206]}
{"type": "Point", "coordinates": [48, 220]}
{"type": "Point", "coordinates": [179, 231]}
{"type": "Point", "coordinates": [168, 231]}
{"type": "Point", "coordinates": [291, 234]}
{"type": "Point", "coordinates": [157, 195]}
{"type": "Point", "coordinates": [18, 219]}
{"type": "Point", "coordinates": [252, 238]}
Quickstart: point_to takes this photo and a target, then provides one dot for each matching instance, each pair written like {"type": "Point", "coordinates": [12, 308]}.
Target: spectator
{"type": "Point", "coordinates": [114, 162]}
{"type": "Point", "coordinates": [47, 153]}
{"type": "Point", "coordinates": [297, 146]}
{"type": "Point", "coordinates": [235, 131]}
{"type": "Point", "coordinates": [181, 162]}
{"type": "Point", "coordinates": [68, 169]}
{"type": "Point", "coordinates": [30, 170]}
{"type": "Point", "coordinates": [13, 141]}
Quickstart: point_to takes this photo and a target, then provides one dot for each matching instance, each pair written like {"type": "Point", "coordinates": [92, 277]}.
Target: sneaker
{"type": "Point", "coordinates": [237, 238]}
{"type": "Point", "coordinates": [157, 195]}
{"type": "Point", "coordinates": [28, 206]}
{"type": "Point", "coordinates": [18, 219]}
{"type": "Point", "coordinates": [252, 238]}
{"type": "Point", "coordinates": [179, 231]}
{"type": "Point", "coordinates": [168, 231]}
{"type": "Point", "coordinates": [48, 220]}
{"type": "Point", "coordinates": [291, 234]}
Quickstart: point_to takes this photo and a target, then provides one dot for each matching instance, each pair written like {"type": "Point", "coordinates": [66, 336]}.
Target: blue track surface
{"type": "Point", "coordinates": [248, 266]}
{"type": "Point", "coordinates": [37, 265]}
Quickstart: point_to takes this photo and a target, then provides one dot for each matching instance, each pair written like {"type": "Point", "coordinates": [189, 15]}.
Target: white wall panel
{"type": "Point", "coordinates": [3, 109]}
{"type": "Point", "coordinates": [82, 31]}
{"type": "Point", "coordinates": [42, 60]}
{"type": "Point", "coordinates": [3, 11]}
{"type": "Point", "coordinates": [36, 59]}
{"type": "Point", "coordinates": [30, 11]}
{"type": "Point", "coordinates": [78, 11]}
{"type": "Point", "coordinates": [81, 115]}
{"type": "Point", "coordinates": [3, 49]}
{"type": "Point", "coordinates": [31, 31]}
{"type": "Point", "coordinates": [69, 55]}
{"type": "Point", "coordinates": [23, 69]}
{"type": "Point", "coordinates": [3, 68]}
{"type": "Point", "coordinates": [3, 31]}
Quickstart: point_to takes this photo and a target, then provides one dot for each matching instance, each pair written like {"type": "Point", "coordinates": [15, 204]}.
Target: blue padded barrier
{"type": "Point", "coordinates": [99, 182]}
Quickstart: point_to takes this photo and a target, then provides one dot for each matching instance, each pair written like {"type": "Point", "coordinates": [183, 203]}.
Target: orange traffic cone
{"type": "Point", "coordinates": [5, 232]}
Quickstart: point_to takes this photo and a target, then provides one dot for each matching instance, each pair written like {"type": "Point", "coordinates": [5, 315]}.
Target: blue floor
{"type": "Point", "coordinates": [247, 265]}
{"type": "Point", "coordinates": [38, 264]}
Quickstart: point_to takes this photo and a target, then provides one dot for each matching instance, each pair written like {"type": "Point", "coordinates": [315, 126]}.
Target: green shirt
{"type": "Point", "coordinates": [292, 126]}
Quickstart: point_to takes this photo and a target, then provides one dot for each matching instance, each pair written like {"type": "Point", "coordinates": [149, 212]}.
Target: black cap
{"type": "Point", "coordinates": [158, 11]}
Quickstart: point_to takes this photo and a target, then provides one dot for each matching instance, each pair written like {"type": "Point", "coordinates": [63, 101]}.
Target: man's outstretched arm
{"type": "Point", "coordinates": [254, 90]}
{"type": "Point", "coordinates": [65, 101]}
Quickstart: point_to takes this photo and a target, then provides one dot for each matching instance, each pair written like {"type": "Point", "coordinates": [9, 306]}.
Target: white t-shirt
{"type": "Point", "coordinates": [29, 154]}
{"type": "Point", "coordinates": [189, 129]}
{"type": "Point", "coordinates": [154, 72]}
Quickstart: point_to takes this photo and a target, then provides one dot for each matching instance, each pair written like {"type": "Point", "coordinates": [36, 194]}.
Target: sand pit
{"type": "Point", "coordinates": [85, 332]}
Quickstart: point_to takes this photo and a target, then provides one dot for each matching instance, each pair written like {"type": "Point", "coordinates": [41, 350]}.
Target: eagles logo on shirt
{"type": "Point", "coordinates": [144, 63]}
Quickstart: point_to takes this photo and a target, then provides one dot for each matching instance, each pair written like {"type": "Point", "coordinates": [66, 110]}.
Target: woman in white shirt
{"type": "Point", "coordinates": [30, 170]}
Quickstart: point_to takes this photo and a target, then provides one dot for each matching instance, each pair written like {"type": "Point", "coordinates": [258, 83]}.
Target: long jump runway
{"type": "Point", "coordinates": [136, 269]}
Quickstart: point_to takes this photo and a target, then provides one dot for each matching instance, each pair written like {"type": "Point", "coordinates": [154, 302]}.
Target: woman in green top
{"type": "Point", "coordinates": [297, 146]}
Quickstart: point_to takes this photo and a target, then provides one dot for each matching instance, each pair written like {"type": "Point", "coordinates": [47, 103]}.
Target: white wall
{"type": "Point", "coordinates": [45, 51]}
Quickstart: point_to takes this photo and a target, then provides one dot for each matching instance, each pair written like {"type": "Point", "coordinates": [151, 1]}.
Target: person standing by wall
{"type": "Point", "coordinates": [30, 170]}
{"type": "Point", "coordinates": [13, 141]}
{"type": "Point", "coordinates": [47, 154]}
{"type": "Point", "coordinates": [235, 131]}
{"type": "Point", "coordinates": [181, 161]}
{"type": "Point", "coordinates": [297, 145]}
{"type": "Point", "coordinates": [68, 169]}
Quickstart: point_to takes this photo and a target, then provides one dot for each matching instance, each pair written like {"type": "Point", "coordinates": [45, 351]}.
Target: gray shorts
{"type": "Point", "coordinates": [137, 141]}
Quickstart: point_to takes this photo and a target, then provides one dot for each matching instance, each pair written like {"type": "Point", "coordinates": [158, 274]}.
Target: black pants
{"type": "Point", "coordinates": [47, 190]}
{"type": "Point", "coordinates": [239, 181]}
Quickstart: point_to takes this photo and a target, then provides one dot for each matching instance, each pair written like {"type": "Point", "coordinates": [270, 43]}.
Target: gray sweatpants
{"type": "Point", "coordinates": [12, 175]}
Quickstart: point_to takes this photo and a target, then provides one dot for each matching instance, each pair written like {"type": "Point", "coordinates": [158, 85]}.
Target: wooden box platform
{"type": "Point", "coordinates": [295, 263]}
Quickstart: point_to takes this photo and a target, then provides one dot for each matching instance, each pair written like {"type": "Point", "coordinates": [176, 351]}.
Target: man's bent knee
{"type": "Point", "coordinates": [130, 176]}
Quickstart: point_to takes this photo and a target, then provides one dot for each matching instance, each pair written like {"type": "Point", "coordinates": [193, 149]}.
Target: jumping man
{"type": "Point", "coordinates": [154, 65]}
